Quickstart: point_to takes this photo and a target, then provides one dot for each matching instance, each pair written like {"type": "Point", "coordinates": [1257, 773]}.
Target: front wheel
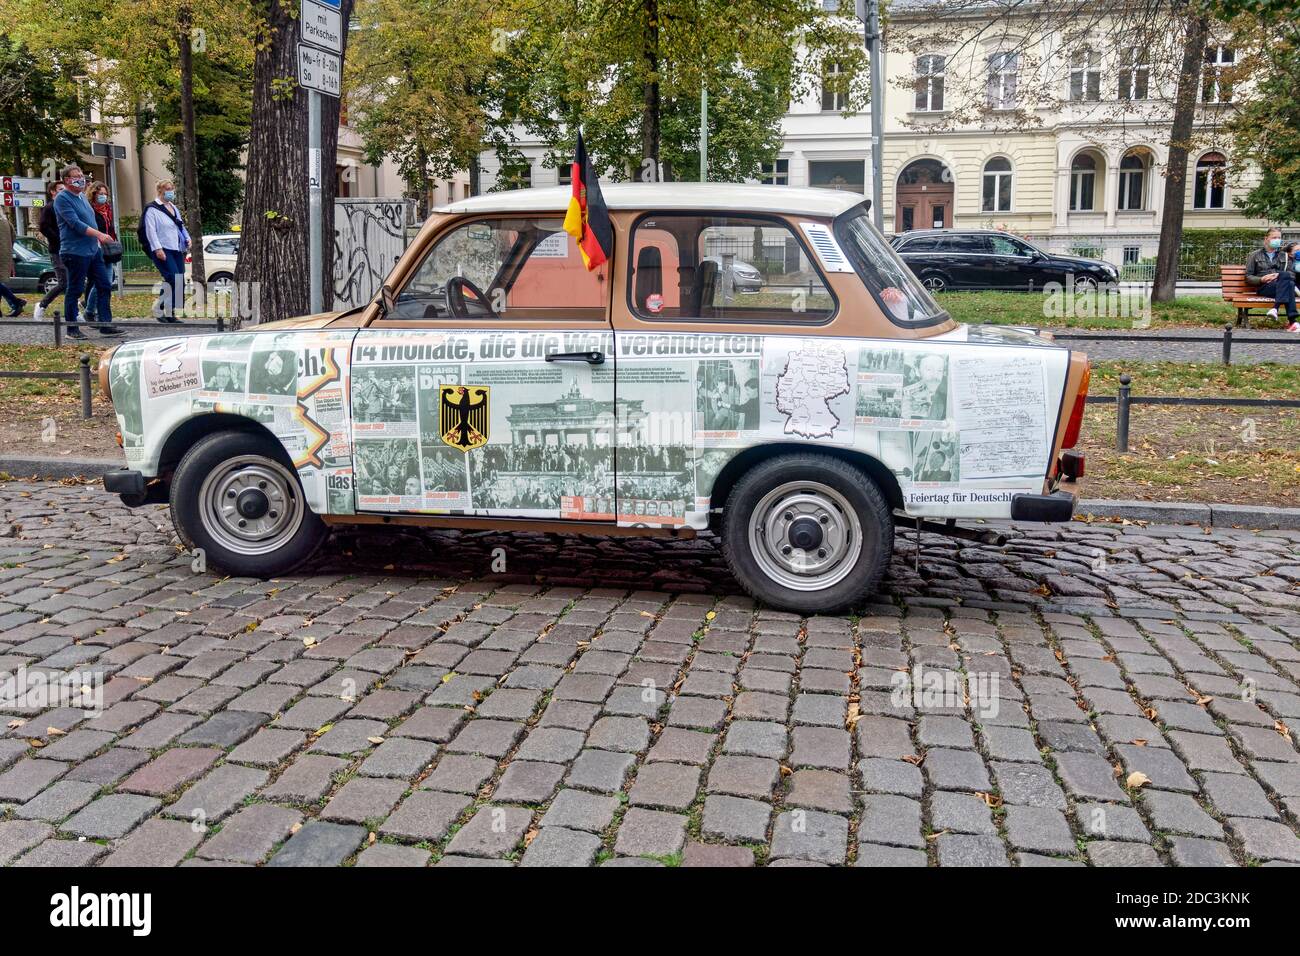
{"type": "Point", "coordinates": [807, 532]}
{"type": "Point", "coordinates": [236, 496]}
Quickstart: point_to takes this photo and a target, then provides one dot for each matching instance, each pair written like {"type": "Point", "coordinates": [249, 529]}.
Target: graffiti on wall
{"type": "Point", "coordinates": [369, 236]}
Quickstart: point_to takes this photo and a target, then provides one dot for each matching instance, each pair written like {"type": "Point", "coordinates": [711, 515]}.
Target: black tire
{"type": "Point", "coordinates": [220, 279]}
{"type": "Point", "coordinates": [763, 487]}
{"type": "Point", "coordinates": [48, 281]}
{"type": "Point", "coordinates": [935, 281]}
{"type": "Point", "coordinates": [213, 463]}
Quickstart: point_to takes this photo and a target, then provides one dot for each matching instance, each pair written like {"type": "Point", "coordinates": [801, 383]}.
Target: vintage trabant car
{"type": "Point", "coordinates": [496, 382]}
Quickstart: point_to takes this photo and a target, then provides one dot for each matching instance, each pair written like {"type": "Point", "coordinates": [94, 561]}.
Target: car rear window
{"type": "Point", "coordinates": [891, 283]}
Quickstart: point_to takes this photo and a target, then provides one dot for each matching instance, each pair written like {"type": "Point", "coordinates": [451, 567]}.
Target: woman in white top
{"type": "Point", "coordinates": [168, 242]}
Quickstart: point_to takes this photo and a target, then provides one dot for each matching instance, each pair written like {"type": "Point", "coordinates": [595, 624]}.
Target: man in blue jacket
{"type": "Point", "coordinates": [79, 242]}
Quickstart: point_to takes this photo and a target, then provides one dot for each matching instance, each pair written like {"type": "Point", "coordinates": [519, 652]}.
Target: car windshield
{"type": "Point", "coordinates": [26, 247]}
{"type": "Point", "coordinates": [898, 292]}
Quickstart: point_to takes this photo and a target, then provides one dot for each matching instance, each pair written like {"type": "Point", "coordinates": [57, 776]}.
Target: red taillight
{"type": "Point", "coordinates": [1075, 424]}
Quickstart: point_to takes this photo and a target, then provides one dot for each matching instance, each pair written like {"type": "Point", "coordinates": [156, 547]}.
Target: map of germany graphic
{"type": "Point", "coordinates": [814, 374]}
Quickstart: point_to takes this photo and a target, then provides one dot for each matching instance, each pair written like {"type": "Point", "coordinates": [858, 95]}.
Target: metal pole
{"type": "Point", "coordinates": [1227, 344]}
{"type": "Point", "coordinates": [85, 385]}
{"type": "Point", "coordinates": [704, 131]}
{"type": "Point", "coordinates": [315, 173]}
{"type": "Point", "coordinates": [871, 35]}
{"type": "Point", "coordinates": [112, 191]}
{"type": "Point", "coordinates": [1121, 414]}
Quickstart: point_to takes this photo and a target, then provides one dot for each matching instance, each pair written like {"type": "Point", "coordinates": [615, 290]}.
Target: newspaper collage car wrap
{"type": "Point", "coordinates": [295, 383]}
{"type": "Point", "coordinates": [476, 423]}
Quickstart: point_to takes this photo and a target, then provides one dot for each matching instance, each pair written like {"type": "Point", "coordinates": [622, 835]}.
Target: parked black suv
{"type": "Point", "coordinates": [988, 259]}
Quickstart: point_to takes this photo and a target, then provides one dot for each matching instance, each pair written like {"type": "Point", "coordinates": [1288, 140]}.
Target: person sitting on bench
{"type": "Point", "coordinates": [1271, 271]}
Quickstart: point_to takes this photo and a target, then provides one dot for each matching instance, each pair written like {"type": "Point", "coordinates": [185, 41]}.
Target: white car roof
{"type": "Point", "coordinates": [731, 197]}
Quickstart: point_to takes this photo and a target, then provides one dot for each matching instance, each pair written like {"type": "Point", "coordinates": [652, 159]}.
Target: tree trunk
{"type": "Point", "coordinates": [475, 176]}
{"type": "Point", "coordinates": [191, 208]}
{"type": "Point", "coordinates": [273, 248]}
{"type": "Point", "coordinates": [1180, 134]}
{"type": "Point", "coordinates": [651, 106]}
{"type": "Point", "coordinates": [138, 134]}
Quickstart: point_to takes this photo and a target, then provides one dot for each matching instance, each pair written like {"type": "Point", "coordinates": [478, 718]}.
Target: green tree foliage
{"type": "Point", "coordinates": [419, 77]}
{"type": "Point", "coordinates": [223, 114]}
{"type": "Point", "coordinates": [1266, 128]}
{"type": "Point", "coordinates": [434, 82]}
{"type": "Point", "coordinates": [40, 120]}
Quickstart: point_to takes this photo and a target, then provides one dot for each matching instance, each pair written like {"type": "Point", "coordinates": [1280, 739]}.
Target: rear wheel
{"type": "Point", "coordinates": [236, 496]}
{"type": "Point", "coordinates": [222, 282]}
{"type": "Point", "coordinates": [934, 281]}
{"type": "Point", "coordinates": [807, 532]}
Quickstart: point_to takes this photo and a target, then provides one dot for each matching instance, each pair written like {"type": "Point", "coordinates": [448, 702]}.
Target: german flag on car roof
{"type": "Point", "coordinates": [588, 219]}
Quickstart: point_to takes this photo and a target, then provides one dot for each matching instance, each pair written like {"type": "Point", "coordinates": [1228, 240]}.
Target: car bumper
{"type": "Point", "coordinates": [1058, 506]}
{"type": "Point", "coordinates": [129, 485]}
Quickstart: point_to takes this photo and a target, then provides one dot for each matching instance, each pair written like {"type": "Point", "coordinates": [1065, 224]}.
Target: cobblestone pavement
{"type": "Point", "coordinates": [1120, 345]}
{"type": "Point", "coordinates": [615, 701]}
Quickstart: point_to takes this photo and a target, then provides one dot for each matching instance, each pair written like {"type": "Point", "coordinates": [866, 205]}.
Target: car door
{"type": "Point", "coordinates": [488, 387]}
{"type": "Point", "coordinates": [967, 258]}
{"type": "Point", "coordinates": [1012, 265]}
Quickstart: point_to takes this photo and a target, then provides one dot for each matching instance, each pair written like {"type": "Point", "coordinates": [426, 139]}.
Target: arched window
{"type": "Point", "coordinates": [1133, 181]}
{"type": "Point", "coordinates": [1083, 183]}
{"type": "Point", "coordinates": [997, 185]}
{"type": "Point", "coordinates": [1211, 182]}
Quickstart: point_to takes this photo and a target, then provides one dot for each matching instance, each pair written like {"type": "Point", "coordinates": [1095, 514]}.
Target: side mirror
{"type": "Point", "coordinates": [387, 298]}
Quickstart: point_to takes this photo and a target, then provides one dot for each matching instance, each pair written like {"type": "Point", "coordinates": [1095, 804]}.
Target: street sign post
{"type": "Point", "coordinates": [112, 152]}
{"type": "Point", "coordinates": [22, 184]}
{"type": "Point", "coordinates": [321, 25]}
{"type": "Point", "coordinates": [320, 71]}
{"type": "Point", "coordinates": [23, 200]}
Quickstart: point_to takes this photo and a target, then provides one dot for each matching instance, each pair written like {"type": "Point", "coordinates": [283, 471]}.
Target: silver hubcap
{"type": "Point", "coordinates": [250, 505]}
{"type": "Point", "coordinates": [934, 284]}
{"type": "Point", "coordinates": [805, 535]}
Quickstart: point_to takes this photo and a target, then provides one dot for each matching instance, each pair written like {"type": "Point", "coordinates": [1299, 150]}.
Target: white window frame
{"type": "Point", "coordinates": [1213, 87]}
{"type": "Point", "coordinates": [1134, 65]}
{"type": "Point", "coordinates": [997, 175]}
{"type": "Point", "coordinates": [1221, 167]}
{"type": "Point", "coordinates": [772, 174]}
{"type": "Point", "coordinates": [1076, 178]}
{"type": "Point", "coordinates": [1003, 80]}
{"type": "Point", "coordinates": [1125, 176]}
{"type": "Point", "coordinates": [1085, 67]}
{"type": "Point", "coordinates": [929, 82]}
{"type": "Point", "coordinates": [839, 99]}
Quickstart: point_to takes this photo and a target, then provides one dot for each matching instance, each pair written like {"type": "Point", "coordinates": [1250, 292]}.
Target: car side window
{"type": "Point", "coordinates": [504, 269]}
{"type": "Point", "coordinates": [224, 247]}
{"type": "Point", "coordinates": [968, 245]}
{"type": "Point", "coordinates": [1002, 246]}
{"type": "Point", "coordinates": [724, 268]}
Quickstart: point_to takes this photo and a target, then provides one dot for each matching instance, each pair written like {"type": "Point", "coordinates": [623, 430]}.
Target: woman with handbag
{"type": "Point", "coordinates": [99, 202]}
{"type": "Point", "coordinates": [167, 240]}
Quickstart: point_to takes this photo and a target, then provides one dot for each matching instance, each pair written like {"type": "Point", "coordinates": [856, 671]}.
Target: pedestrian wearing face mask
{"type": "Point", "coordinates": [99, 202]}
{"type": "Point", "coordinates": [80, 239]}
{"type": "Point", "coordinates": [167, 240]}
{"type": "Point", "coordinates": [1291, 256]}
{"type": "Point", "coordinates": [1270, 271]}
{"type": "Point", "coordinates": [49, 228]}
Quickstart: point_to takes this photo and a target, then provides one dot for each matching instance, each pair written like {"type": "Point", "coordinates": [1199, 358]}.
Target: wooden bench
{"type": "Point", "coordinates": [1232, 284]}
